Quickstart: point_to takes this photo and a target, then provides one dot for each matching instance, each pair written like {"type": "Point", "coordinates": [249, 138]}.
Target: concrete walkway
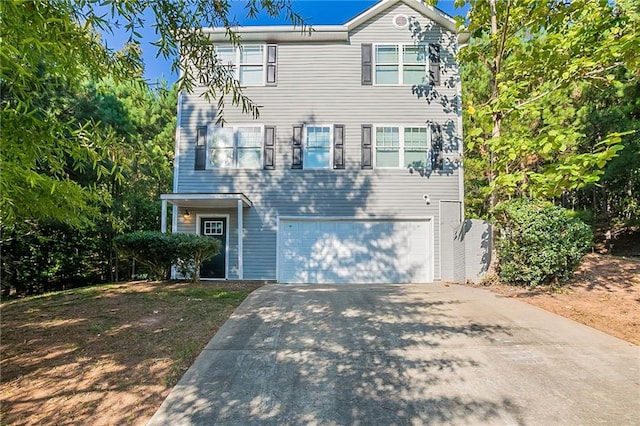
{"type": "Point", "coordinates": [404, 354]}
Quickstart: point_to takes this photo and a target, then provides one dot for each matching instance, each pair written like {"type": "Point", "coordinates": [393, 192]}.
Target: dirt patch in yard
{"type": "Point", "coordinates": [603, 294]}
{"type": "Point", "coordinates": [108, 354]}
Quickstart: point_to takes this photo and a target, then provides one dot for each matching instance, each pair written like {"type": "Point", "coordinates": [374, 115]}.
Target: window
{"type": "Point", "coordinates": [414, 60]}
{"type": "Point", "coordinates": [400, 64]}
{"type": "Point", "coordinates": [416, 146]}
{"type": "Point", "coordinates": [246, 62]}
{"type": "Point", "coordinates": [213, 227]}
{"type": "Point", "coordinates": [317, 147]}
{"type": "Point", "coordinates": [387, 147]}
{"type": "Point", "coordinates": [401, 146]}
{"type": "Point", "coordinates": [387, 64]}
{"type": "Point", "coordinates": [235, 147]}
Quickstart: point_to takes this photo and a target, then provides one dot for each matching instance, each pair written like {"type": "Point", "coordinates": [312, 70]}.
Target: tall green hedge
{"type": "Point", "coordinates": [159, 251]}
{"type": "Point", "coordinates": [538, 243]}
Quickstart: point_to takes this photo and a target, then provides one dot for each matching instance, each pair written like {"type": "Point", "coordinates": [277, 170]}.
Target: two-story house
{"type": "Point", "coordinates": [351, 174]}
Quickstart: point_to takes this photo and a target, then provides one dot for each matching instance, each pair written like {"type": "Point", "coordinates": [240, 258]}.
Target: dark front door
{"type": "Point", "coordinates": [215, 228]}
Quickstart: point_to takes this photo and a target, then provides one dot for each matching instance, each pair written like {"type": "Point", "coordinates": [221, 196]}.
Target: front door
{"type": "Point", "coordinates": [215, 228]}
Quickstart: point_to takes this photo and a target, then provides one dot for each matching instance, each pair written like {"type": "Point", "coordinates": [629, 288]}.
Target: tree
{"type": "Point", "coordinates": [52, 47]}
{"type": "Point", "coordinates": [522, 132]}
{"type": "Point", "coordinates": [616, 197]}
{"type": "Point", "coordinates": [45, 255]}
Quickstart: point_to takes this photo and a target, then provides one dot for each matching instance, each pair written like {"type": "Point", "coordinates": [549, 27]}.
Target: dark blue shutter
{"type": "Point", "coordinates": [201, 148]}
{"type": "Point", "coordinates": [338, 146]}
{"type": "Point", "coordinates": [434, 64]}
{"type": "Point", "coordinates": [296, 148]}
{"type": "Point", "coordinates": [269, 148]}
{"type": "Point", "coordinates": [367, 148]}
{"type": "Point", "coordinates": [367, 68]}
{"type": "Point", "coordinates": [436, 147]}
{"type": "Point", "coordinates": [272, 68]}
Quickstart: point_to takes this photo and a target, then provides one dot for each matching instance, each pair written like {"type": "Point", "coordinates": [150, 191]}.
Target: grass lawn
{"type": "Point", "coordinates": [106, 354]}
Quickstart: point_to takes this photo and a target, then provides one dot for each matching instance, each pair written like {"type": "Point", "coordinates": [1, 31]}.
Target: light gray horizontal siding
{"type": "Point", "coordinates": [320, 83]}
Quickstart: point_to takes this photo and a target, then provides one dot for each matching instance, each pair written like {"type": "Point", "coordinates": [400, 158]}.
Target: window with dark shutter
{"type": "Point", "coordinates": [367, 159]}
{"type": "Point", "coordinates": [269, 148]}
{"type": "Point", "coordinates": [272, 69]}
{"type": "Point", "coordinates": [201, 148]}
{"type": "Point", "coordinates": [436, 147]}
{"type": "Point", "coordinates": [338, 146]}
{"type": "Point", "coordinates": [367, 69]}
{"type": "Point", "coordinates": [434, 64]}
{"type": "Point", "coordinates": [296, 148]}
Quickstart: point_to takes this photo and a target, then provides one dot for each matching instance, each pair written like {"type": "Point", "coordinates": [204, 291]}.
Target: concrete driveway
{"type": "Point", "coordinates": [404, 354]}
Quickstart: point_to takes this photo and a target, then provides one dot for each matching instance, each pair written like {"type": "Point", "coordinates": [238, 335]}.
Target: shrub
{"type": "Point", "coordinates": [155, 250]}
{"type": "Point", "coordinates": [159, 251]}
{"type": "Point", "coordinates": [538, 242]}
{"type": "Point", "coordinates": [192, 251]}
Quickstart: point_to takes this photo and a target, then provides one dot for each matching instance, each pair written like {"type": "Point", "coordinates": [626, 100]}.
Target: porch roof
{"type": "Point", "coordinates": [207, 200]}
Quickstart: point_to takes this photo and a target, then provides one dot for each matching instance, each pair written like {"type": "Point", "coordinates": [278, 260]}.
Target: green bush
{"type": "Point", "coordinates": [538, 242]}
{"type": "Point", "coordinates": [192, 251]}
{"type": "Point", "coordinates": [159, 251]}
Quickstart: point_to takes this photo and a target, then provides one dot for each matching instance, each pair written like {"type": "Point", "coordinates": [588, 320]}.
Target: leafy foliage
{"type": "Point", "coordinates": [193, 251]}
{"type": "Point", "coordinates": [87, 145]}
{"type": "Point", "coordinates": [140, 121]}
{"type": "Point", "coordinates": [45, 55]}
{"type": "Point", "coordinates": [44, 257]}
{"type": "Point", "coordinates": [616, 197]}
{"type": "Point", "coordinates": [160, 251]}
{"type": "Point", "coordinates": [50, 49]}
{"type": "Point", "coordinates": [524, 70]}
{"type": "Point", "coordinates": [155, 250]}
{"type": "Point", "coordinates": [539, 242]}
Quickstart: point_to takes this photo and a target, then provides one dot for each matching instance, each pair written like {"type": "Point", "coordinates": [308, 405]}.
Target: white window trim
{"type": "Point", "coordinates": [400, 63]}
{"type": "Point", "coordinates": [401, 148]}
{"type": "Point", "coordinates": [304, 146]}
{"type": "Point", "coordinates": [211, 129]}
{"type": "Point", "coordinates": [236, 64]}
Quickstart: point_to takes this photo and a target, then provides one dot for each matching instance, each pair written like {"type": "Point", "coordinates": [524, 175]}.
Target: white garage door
{"type": "Point", "coordinates": [354, 251]}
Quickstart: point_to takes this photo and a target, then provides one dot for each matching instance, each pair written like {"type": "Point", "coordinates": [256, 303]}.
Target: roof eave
{"type": "Point", "coordinates": [282, 33]}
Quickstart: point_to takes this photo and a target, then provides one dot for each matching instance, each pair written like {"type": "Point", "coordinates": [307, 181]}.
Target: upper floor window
{"type": "Point", "coordinates": [247, 63]}
{"type": "Point", "coordinates": [236, 147]}
{"type": "Point", "coordinates": [401, 147]}
{"type": "Point", "coordinates": [396, 64]}
{"type": "Point", "coordinates": [400, 64]}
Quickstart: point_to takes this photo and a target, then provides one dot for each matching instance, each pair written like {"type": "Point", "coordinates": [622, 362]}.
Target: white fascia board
{"type": "Point", "coordinates": [187, 197]}
{"type": "Point", "coordinates": [278, 33]}
{"type": "Point", "coordinates": [356, 218]}
{"type": "Point", "coordinates": [430, 12]}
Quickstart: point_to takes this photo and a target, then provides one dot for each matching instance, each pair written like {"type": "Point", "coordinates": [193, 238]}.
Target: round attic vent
{"type": "Point", "coordinates": [401, 21]}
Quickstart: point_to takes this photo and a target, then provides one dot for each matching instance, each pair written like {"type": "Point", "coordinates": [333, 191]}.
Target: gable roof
{"type": "Point", "coordinates": [419, 6]}
{"type": "Point", "coordinates": [336, 32]}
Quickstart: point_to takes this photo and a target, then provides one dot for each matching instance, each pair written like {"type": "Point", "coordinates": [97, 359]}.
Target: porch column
{"type": "Point", "coordinates": [240, 229]}
{"type": "Point", "coordinates": [163, 217]}
{"type": "Point", "coordinates": [174, 229]}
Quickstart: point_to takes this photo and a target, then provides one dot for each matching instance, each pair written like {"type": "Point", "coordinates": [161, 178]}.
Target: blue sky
{"type": "Point", "coordinates": [315, 12]}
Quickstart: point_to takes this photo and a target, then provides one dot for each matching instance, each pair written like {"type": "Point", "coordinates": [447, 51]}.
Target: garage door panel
{"type": "Point", "coordinates": [348, 251]}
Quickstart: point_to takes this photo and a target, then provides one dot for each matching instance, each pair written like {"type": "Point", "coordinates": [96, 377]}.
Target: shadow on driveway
{"type": "Point", "coordinates": [403, 354]}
